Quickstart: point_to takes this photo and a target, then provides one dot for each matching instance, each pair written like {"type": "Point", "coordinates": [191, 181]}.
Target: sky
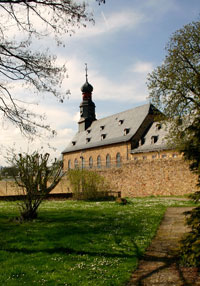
{"type": "Point", "coordinates": [126, 43]}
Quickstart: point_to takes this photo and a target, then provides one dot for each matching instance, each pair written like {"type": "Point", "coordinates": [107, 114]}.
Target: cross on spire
{"type": "Point", "coordinates": [86, 74]}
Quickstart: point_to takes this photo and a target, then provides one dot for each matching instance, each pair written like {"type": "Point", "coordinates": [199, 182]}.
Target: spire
{"type": "Point", "coordinates": [87, 106]}
{"type": "Point", "coordinates": [86, 70]}
{"type": "Point", "coordinates": [87, 88]}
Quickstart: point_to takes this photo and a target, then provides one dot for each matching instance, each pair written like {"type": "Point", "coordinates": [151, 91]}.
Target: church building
{"type": "Point", "coordinates": [114, 140]}
{"type": "Point", "coordinates": [129, 149]}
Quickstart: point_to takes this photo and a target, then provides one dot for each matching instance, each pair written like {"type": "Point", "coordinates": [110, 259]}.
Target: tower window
{"type": "Point", "coordinates": [102, 127]}
{"type": "Point", "coordinates": [120, 122]}
{"type": "Point", "coordinates": [154, 139]}
{"type": "Point", "coordinates": [73, 143]}
{"type": "Point", "coordinates": [126, 131]}
{"type": "Point", "coordinates": [103, 136]}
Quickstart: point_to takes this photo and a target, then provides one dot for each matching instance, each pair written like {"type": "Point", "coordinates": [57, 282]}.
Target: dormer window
{"type": "Point", "coordinates": [73, 143]}
{"type": "Point", "coordinates": [102, 127]}
{"type": "Point", "coordinates": [158, 126]}
{"type": "Point", "coordinates": [88, 140]}
{"type": "Point", "coordinates": [154, 139]}
{"type": "Point", "coordinates": [142, 141]}
{"type": "Point", "coordinates": [126, 131]}
{"type": "Point", "coordinates": [88, 131]}
{"type": "Point", "coordinates": [103, 136]}
{"type": "Point", "coordinates": [120, 122]}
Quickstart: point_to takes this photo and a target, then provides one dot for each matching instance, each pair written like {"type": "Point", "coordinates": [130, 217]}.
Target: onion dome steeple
{"type": "Point", "coordinates": [87, 88]}
{"type": "Point", "coordinates": [87, 107]}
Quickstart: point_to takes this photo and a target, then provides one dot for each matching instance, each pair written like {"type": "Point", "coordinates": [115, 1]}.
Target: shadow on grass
{"type": "Point", "coordinates": [63, 250]}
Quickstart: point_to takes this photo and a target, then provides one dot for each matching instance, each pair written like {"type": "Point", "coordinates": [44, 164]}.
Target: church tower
{"type": "Point", "coordinates": [87, 106]}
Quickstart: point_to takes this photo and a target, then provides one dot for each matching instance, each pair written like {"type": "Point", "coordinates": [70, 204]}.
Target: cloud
{"type": "Point", "coordinates": [111, 23]}
{"type": "Point", "coordinates": [56, 116]}
{"type": "Point", "coordinates": [133, 88]}
{"type": "Point", "coordinates": [64, 117]}
{"type": "Point", "coordinates": [12, 138]}
{"type": "Point", "coordinates": [132, 91]}
{"type": "Point", "coordinates": [105, 23]}
{"type": "Point", "coordinates": [76, 117]}
{"type": "Point", "coordinates": [142, 67]}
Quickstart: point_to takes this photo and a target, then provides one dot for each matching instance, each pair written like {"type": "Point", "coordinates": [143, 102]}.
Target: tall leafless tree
{"type": "Point", "coordinates": [19, 63]}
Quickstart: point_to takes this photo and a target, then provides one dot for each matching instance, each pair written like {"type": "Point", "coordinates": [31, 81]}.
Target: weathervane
{"type": "Point", "coordinates": [86, 70]}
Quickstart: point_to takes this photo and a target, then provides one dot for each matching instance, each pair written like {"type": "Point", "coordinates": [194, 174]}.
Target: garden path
{"type": "Point", "coordinates": [159, 266]}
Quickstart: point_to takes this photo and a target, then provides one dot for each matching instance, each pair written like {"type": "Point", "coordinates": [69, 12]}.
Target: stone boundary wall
{"type": "Point", "coordinates": [162, 177]}
{"type": "Point", "coordinates": [9, 188]}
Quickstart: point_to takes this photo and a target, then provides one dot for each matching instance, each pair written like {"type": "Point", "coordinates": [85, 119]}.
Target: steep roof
{"type": "Point", "coordinates": [154, 140]}
{"type": "Point", "coordinates": [117, 128]}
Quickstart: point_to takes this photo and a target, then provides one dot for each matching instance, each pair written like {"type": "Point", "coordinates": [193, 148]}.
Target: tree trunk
{"type": "Point", "coordinates": [29, 214]}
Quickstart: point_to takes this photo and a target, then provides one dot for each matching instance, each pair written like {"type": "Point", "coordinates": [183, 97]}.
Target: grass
{"type": "Point", "coordinates": [78, 243]}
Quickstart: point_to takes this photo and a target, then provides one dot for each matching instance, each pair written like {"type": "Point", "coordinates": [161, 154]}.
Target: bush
{"type": "Point", "coordinates": [190, 243]}
{"type": "Point", "coordinates": [88, 185]}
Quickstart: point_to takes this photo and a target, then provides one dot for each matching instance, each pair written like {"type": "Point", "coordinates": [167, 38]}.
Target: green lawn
{"type": "Point", "coordinates": [78, 243]}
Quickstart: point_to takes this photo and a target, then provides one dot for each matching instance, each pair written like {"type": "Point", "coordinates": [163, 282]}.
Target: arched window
{"type": "Point", "coordinates": [82, 162]}
{"type": "Point", "coordinates": [69, 164]}
{"type": "Point", "coordinates": [118, 160]}
{"type": "Point", "coordinates": [76, 164]}
{"type": "Point", "coordinates": [90, 162]}
{"type": "Point", "coordinates": [107, 161]}
{"type": "Point", "coordinates": [99, 162]}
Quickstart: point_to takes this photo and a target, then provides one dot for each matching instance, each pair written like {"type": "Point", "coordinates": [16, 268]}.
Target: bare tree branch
{"type": "Point", "coordinates": [19, 63]}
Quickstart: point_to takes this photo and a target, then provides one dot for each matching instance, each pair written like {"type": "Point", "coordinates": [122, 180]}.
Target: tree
{"type": "Point", "coordinates": [19, 63]}
{"type": "Point", "coordinates": [175, 89]}
{"type": "Point", "coordinates": [36, 179]}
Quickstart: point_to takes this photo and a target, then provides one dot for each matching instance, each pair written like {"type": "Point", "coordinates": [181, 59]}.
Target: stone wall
{"type": "Point", "coordinates": [9, 188]}
{"type": "Point", "coordinates": [168, 176]}
{"type": "Point", "coordinates": [152, 177]}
